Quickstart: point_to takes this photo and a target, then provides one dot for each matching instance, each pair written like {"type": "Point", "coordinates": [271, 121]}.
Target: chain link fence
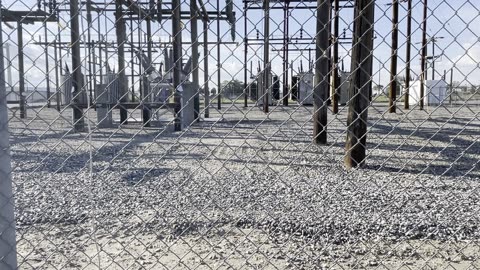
{"type": "Point", "coordinates": [193, 134]}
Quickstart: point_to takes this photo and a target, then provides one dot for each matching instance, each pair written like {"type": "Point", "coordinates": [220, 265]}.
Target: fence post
{"type": "Point", "coordinates": [8, 253]}
{"type": "Point", "coordinates": [360, 83]}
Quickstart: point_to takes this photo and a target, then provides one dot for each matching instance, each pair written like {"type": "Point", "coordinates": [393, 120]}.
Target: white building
{"type": "Point", "coordinates": [436, 92]}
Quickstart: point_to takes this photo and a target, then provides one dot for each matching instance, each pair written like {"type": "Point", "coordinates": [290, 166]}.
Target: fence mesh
{"type": "Point", "coordinates": [193, 134]}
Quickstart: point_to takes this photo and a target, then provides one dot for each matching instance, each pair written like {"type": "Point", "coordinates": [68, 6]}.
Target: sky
{"type": "Point", "coordinates": [454, 23]}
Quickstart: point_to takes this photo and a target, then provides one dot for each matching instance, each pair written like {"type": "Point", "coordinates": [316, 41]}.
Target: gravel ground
{"type": "Point", "coordinates": [248, 191]}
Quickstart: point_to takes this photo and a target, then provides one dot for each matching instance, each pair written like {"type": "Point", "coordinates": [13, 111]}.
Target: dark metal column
{"type": "Point", "coordinates": [78, 120]}
{"type": "Point", "coordinates": [393, 61]}
{"type": "Point", "coordinates": [284, 55]}
{"type": "Point", "coordinates": [205, 70]}
{"type": "Point", "coordinates": [120, 30]}
{"type": "Point", "coordinates": [177, 57]}
{"type": "Point", "coordinates": [423, 75]}
{"type": "Point", "coordinates": [194, 38]}
{"type": "Point", "coordinates": [320, 92]}
{"type": "Point", "coordinates": [266, 54]}
{"type": "Point", "coordinates": [219, 65]}
{"type": "Point", "coordinates": [408, 56]}
{"type": "Point", "coordinates": [336, 79]}
{"type": "Point", "coordinates": [21, 70]}
{"type": "Point", "coordinates": [245, 56]}
{"type": "Point", "coordinates": [47, 64]}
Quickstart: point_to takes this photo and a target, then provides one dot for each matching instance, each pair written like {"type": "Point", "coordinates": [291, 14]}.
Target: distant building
{"type": "Point", "coordinates": [435, 92]}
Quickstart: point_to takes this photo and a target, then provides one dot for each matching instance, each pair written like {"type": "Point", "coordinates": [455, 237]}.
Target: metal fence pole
{"type": "Point", "coordinates": [8, 254]}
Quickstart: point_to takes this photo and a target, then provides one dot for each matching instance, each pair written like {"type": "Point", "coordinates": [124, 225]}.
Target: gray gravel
{"type": "Point", "coordinates": [248, 173]}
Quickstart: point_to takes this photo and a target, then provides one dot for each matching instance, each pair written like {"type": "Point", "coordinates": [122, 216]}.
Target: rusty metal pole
{"type": "Point", "coordinates": [320, 92]}
{"type": "Point", "coordinates": [362, 56]}
{"type": "Point", "coordinates": [393, 60]}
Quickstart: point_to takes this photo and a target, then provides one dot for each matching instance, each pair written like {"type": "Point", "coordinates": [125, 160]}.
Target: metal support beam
{"type": "Point", "coordinates": [219, 64]}
{"type": "Point", "coordinates": [177, 62]}
{"type": "Point", "coordinates": [320, 92]}
{"type": "Point", "coordinates": [408, 56]}
{"type": "Point", "coordinates": [21, 71]}
{"type": "Point", "coordinates": [423, 75]}
{"type": "Point", "coordinates": [336, 79]}
{"type": "Point", "coordinates": [120, 31]}
{"type": "Point", "coordinates": [78, 121]}
{"type": "Point", "coordinates": [206, 78]}
{"type": "Point", "coordinates": [266, 58]}
{"type": "Point", "coordinates": [393, 60]}
{"type": "Point", "coordinates": [194, 38]}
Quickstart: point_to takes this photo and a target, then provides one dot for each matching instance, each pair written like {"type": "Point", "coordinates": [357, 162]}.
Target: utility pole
{"type": "Point", "coordinates": [424, 54]}
{"type": "Point", "coordinates": [451, 85]}
{"type": "Point", "coordinates": [177, 65]}
{"type": "Point", "coordinates": [194, 38]}
{"type": "Point", "coordinates": [393, 60]}
{"type": "Point", "coordinates": [21, 70]}
{"type": "Point", "coordinates": [320, 92]}
{"type": "Point", "coordinates": [78, 121]}
{"type": "Point", "coordinates": [266, 52]}
{"type": "Point", "coordinates": [336, 78]}
{"type": "Point", "coordinates": [434, 40]}
{"type": "Point", "coordinates": [408, 56]}
{"type": "Point", "coordinates": [219, 65]}
{"type": "Point", "coordinates": [120, 30]}
{"type": "Point", "coordinates": [362, 58]}
{"type": "Point", "coordinates": [206, 91]}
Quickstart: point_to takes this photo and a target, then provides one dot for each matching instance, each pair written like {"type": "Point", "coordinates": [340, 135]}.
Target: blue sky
{"type": "Point", "coordinates": [456, 21]}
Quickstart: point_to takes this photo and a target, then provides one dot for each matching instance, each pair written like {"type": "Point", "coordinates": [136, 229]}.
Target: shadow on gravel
{"type": "Point", "coordinates": [455, 157]}
{"type": "Point", "coordinates": [139, 176]}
